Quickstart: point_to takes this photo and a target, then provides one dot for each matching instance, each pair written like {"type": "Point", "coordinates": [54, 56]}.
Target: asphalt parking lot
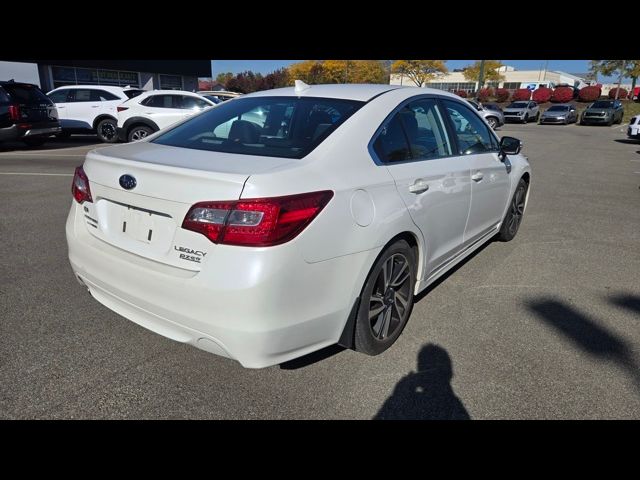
{"type": "Point", "coordinates": [546, 326]}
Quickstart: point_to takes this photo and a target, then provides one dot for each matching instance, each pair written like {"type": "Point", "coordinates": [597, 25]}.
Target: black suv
{"type": "Point", "coordinates": [26, 114]}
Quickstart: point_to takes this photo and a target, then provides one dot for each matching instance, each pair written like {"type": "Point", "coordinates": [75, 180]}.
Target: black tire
{"type": "Point", "coordinates": [376, 332]}
{"type": "Point", "coordinates": [515, 212]}
{"type": "Point", "coordinates": [138, 132]}
{"type": "Point", "coordinates": [106, 130]}
{"type": "Point", "coordinates": [526, 118]}
{"type": "Point", "coordinates": [34, 141]}
{"type": "Point", "coordinates": [493, 122]}
{"type": "Point", "coordinates": [537, 117]}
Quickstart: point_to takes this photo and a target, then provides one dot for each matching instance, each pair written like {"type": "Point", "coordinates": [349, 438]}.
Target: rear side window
{"type": "Point", "coordinates": [26, 94]}
{"type": "Point", "coordinates": [289, 127]}
{"type": "Point", "coordinates": [102, 96]}
{"type": "Point", "coordinates": [391, 144]}
{"type": "Point", "coordinates": [471, 132]}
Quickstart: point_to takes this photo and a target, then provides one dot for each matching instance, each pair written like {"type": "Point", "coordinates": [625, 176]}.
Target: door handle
{"type": "Point", "coordinates": [419, 186]}
{"type": "Point", "coordinates": [476, 177]}
{"type": "Point", "coordinates": [95, 106]}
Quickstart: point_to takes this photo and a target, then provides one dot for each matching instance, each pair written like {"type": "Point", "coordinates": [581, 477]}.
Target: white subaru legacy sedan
{"type": "Point", "coordinates": [289, 220]}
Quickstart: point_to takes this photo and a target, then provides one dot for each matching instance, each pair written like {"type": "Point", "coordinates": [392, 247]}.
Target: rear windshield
{"type": "Point", "coordinates": [26, 94]}
{"type": "Point", "coordinates": [518, 105]}
{"type": "Point", "coordinates": [602, 105]}
{"type": "Point", "coordinates": [287, 127]}
{"type": "Point", "coordinates": [133, 93]}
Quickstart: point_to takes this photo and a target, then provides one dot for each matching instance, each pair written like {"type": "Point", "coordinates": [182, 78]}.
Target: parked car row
{"type": "Point", "coordinates": [605, 112]}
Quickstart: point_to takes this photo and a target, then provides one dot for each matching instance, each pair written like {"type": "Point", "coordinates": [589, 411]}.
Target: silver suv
{"type": "Point", "coordinates": [522, 111]}
{"type": "Point", "coordinates": [494, 118]}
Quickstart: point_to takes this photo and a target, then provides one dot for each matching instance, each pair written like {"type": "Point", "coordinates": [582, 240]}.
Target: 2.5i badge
{"type": "Point", "coordinates": [189, 254]}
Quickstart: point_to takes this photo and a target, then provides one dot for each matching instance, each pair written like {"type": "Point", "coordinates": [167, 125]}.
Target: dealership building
{"type": "Point", "coordinates": [513, 79]}
{"type": "Point", "coordinates": [146, 74]}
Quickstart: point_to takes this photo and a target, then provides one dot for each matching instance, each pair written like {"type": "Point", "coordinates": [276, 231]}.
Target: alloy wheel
{"type": "Point", "coordinates": [516, 210]}
{"type": "Point", "coordinates": [389, 301]}
{"type": "Point", "coordinates": [138, 135]}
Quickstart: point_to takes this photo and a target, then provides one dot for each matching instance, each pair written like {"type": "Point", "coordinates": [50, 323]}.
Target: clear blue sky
{"type": "Point", "coordinates": [267, 66]}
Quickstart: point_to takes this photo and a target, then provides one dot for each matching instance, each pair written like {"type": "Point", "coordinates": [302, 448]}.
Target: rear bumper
{"type": "Point", "coordinates": [40, 129]}
{"type": "Point", "coordinates": [260, 307]}
{"type": "Point", "coordinates": [633, 133]}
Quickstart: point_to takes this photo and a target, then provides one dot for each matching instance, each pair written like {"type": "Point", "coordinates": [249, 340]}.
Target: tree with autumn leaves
{"type": "Point", "coordinates": [419, 71]}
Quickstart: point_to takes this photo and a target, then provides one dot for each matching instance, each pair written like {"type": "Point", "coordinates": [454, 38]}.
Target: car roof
{"type": "Point", "coordinates": [167, 92]}
{"type": "Point", "coordinates": [218, 92]}
{"type": "Point", "coordinates": [9, 82]}
{"type": "Point", "coordinates": [107, 88]}
{"type": "Point", "coordinates": [353, 91]}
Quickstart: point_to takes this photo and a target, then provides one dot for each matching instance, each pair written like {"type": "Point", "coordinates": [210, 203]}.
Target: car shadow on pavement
{"type": "Point", "coordinates": [425, 394]}
{"type": "Point", "coordinates": [53, 143]}
{"type": "Point", "coordinates": [587, 334]}
{"type": "Point", "coordinates": [626, 140]}
{"type": "Point", "coordinates": [630, 302]}
{"type": "Point", "coordinates": [312, 358]}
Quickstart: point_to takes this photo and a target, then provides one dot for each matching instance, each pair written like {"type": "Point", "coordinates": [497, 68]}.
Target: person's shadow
{"type": "Point", "coordinates": [425, 394]}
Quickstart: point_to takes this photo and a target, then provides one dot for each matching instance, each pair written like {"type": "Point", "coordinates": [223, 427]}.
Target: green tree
{"type": "Point", "coordinates": [624, 68]}
{"type": "Point", "coordinates": [223, 77]}
{"type": "Point", "coordinates": [419, 71]}
{"type": "Point", "coordinates": [338, 71]}
{"type": "Point", "coordinates": [490, 74]}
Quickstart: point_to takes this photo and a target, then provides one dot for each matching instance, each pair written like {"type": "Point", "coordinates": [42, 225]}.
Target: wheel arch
{"type": "Point", "coordinates": [136, 121]}
{"type": "Point", "coordinates": [347, 337]}
{"type": "Point", "coordinates": [101, 117]}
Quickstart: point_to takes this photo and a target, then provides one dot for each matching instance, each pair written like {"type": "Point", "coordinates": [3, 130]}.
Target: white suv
{"type": "Point", "coordinates": [152, 111]}
{"type": "Point", "coordinates": [90, 108]}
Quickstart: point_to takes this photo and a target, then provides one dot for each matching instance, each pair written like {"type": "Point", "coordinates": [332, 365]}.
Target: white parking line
{"type": "Point", "coordinates": [39, 174]}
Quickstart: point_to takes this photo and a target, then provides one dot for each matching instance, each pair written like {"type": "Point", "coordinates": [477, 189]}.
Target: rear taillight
{"type": "Point", "coordinates": [14, 112]}
{"type": "Point", "coordinates": [256, 222]}
{"type": "Point", "coordinates": [122, 109]}
{"type": "Point", "coordinates": [80, 186]}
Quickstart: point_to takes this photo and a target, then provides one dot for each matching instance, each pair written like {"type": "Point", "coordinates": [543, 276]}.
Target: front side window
{"type": "Point", "coordinates": [81, 95]}
{"type": "Point", "coordinates": [191, 103]}
{"type": "Point", "coordinates": [289, 127]}
{"type": "Point", "coordinates": [60, 96]}
{"type": "Point", "coordinates": [471, 132]}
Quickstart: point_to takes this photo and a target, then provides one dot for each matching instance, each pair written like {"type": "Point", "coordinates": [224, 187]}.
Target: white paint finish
{"type": "Point", "coordinates": [162, 117]}
{"type": "Point", "coordinates": [267, 305]}
{"type": "Point", "coordinates": [363, 210]}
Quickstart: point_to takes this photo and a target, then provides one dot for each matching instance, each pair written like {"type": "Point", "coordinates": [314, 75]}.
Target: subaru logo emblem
{"type": "Point", "coordinates": [127, 182]}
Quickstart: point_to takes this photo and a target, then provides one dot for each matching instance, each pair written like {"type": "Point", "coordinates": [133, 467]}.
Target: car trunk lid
{"type": "Point", "coordinates": [142, 192]}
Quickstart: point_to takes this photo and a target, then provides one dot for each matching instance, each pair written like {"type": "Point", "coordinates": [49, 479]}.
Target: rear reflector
{"type": "Point", "coordinates": [256, 222]}
{"type": "Point", "coordinates": [80, 186]}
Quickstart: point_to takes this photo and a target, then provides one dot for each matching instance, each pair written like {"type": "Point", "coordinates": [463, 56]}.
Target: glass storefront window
{"type": "Point", "coordinates": [170, 82]}
{"type": "Point", "coordinates": [89, 76]}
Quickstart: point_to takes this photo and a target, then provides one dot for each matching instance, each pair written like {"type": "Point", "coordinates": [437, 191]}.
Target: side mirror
{"type": "Point", "coordinates": [509, 146]}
